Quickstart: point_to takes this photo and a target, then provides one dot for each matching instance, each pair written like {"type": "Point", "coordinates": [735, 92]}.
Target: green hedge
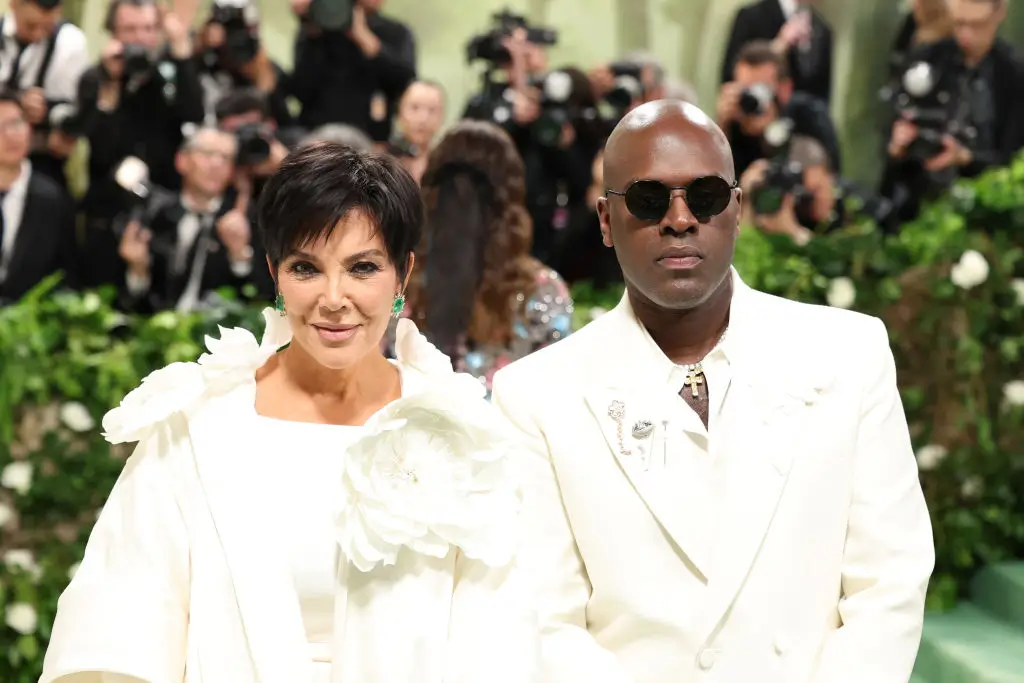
{"type": "Point", "coordinates": [66, 359]}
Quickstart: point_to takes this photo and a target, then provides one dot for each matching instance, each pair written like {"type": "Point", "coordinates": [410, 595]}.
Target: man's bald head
{"type": "Point", "coordinates": [639, 132]}
{"type": "Point", "coordinates": [664, 148]}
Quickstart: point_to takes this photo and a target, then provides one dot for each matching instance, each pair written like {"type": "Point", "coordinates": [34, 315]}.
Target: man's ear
{"type": "Point", "coordinates": [604, 218]}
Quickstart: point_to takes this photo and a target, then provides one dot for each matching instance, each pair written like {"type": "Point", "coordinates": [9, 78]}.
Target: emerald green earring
{"type": "Point", "coordinates": [398, 306]}
{"type": "Point", "coordinates": [279, 305]}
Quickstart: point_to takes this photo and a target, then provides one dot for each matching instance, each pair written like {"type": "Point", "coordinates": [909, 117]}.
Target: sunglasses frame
{"type": "Point", "coordinates": [685, 188]}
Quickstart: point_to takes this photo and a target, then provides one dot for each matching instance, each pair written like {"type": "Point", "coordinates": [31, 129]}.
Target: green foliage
{"type": "Point", "coordinates": [66, 359]}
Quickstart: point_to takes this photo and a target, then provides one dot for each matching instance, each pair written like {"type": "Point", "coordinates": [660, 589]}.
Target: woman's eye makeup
{"type": "Point", "coordinates": [365, 268]}
{"type": "Point", "coordinates": [302, 268]}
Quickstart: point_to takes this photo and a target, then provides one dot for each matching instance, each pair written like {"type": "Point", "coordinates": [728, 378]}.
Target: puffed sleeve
{"type": "Point", "coordinates": [124, 617]}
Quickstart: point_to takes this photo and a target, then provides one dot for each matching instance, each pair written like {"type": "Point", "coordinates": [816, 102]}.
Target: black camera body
{"type": "Point", "coordinates": [488, 46]}
{"type": "Point", "coordinates": [138, 61]}
{"type": "Point", "coordinates": [241, 41]}
{"type": "Point", "coordinates": [253, 144]}
{"type": "Point", "coordinates": [628, 86]}
{"type": "Point", "coordinates": [918, 95]}
{"type": "Point", "coordinates": [756, 99]}
{"type": "Point", "coordinates": [782, 178]}
{"type": "Point", "coordinates": [331, 15]}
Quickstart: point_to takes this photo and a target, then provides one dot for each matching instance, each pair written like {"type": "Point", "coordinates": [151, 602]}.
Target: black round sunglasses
{"type": "Point", "coordinates": [706, 196]}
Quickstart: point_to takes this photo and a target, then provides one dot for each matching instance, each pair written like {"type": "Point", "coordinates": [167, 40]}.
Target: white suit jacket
{"type": "Point", "coordinates": [822, 548]}
{"type": "Point", "coordinates": [178, 583]}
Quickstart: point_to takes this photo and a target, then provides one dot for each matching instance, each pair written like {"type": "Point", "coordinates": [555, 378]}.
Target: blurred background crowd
{"type": "Point", "coordinates": [184, 114]}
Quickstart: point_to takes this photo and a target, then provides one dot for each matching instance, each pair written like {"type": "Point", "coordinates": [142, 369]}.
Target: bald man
{"type": "Point", "coordinates": [721, 482]}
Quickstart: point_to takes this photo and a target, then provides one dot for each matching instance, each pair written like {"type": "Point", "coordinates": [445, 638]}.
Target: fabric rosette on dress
{"type": "Point", "coordinates": [431, 472]}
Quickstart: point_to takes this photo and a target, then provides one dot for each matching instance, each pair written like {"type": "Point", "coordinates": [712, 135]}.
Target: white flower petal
{"type": "Point", "coordinates": [163, 393]}
{"type": "Point", "coordinates": [22, 617]}
{"type": "Point", "coordinates": [970, 271]}
{"type": "Point", "coordinates": [842, 293]}
{"type": "Point", "coordinates": [76, 417]}
{"type": "Point", "coordinates": [929, 457]}
{"type": "Point", "coordinates": [17, 476]}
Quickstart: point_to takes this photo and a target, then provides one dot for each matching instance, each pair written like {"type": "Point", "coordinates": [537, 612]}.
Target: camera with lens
{"type": "Point", "coordinates": [756, 99]}
{"type": "Point", "coordinates": [918, 96]}
{"type": "Point", "coordinates": [783, 177]}
{"type": "Point", "coordinates": [253, 144]}
{"type": "Point", "coordinates": [331, 15]}
{"type": "Point", "coordinates": [138, 197]}
{"type": "Point", "coordinates": [488, 47]}
{"type": "Point", "coordinates": [137, 61]}
{"type": "Point", "coordinates": [241, 41]}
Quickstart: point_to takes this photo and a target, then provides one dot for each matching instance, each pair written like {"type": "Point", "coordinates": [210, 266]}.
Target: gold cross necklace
{"type": "Point", "coordinates": [695, 371]}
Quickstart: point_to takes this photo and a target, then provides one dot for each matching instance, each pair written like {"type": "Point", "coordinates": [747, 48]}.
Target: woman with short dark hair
{"type": "Point", "coordinates": [302, 509]}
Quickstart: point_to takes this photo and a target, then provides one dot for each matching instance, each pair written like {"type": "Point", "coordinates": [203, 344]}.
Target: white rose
{"type": "Point", "coordinates": [929, 457]}
{"type": "Point", "coordinates": [73, 569]}
{"type": "Point", "coordinates": [970, 271]}
{"type": "Point", "coordinates": [6, 515]}
{"type": "Point", "coordinates": [23, 560]}
{"type": "Point", "coordinates": [1018, 290]}
{"type": "Point", "coordinates": [76, 417]}
{"type": "Point", "coordinates": [841, 293]}
{"type": "Point", "coordinates": [22, 617]}
{"type": "Point", "coordinates": [17, 476]}
{"type": "Point", "coordinates": [1013, 392]}
{"type": "Point", "coordinates": [971, 488]}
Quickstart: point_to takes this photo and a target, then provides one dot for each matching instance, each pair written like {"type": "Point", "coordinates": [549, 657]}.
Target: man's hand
{"type": "Point", "coordinates": [953, 154]}
{"type": "Point", "coordinates": [728, 107]}
{"type": "Point", "coordinates": [235, 232]}
{"type": "Point", "coordinates": [60, 144]}
{"type": "Point", "coordinates": [33, 101]}
{"type": "Point", "coordinates": [795, 31]}
{"type": "Point", "coordinates": [903, 134]}
{"type": "Point", "coordinates": [260, 72]}
{"type": "Point", "coordinates": [134, 249]}
{"type": "Point", "coordinates": [784, 222]}
{"type": "Point", "coordinates": [525, 107]}
{"type": "Point", "coordinates": [177, 33]}
{"type": "Point", "coordinates": [300, 7]}
{"type": "Point", "coordinates": [361, 34]}
{"type": "Point", "coordinates": [602, 80]}
{"type": "Point", "coordinates": [754, 176]}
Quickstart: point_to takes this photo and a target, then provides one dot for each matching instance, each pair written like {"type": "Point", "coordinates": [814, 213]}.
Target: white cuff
{"type": "Point", "coordinates": [137, 286]}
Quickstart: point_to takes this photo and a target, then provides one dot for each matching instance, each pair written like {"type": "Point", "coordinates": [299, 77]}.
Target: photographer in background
{"type": "Point", "coordinates": [350, 67]}
{"type": "Point", "coordinates": [420, 117]}
{"type": "Point", "coordinates": [796, 193]}
{"type": "Point", "coordinates": [261, 144]}
{"type": "Point", "coordinates": [958, 108]}
{"type": "Point", "coordinates": [37, 217]}
{"type": "Point", "coordinates": [134, 103]}
{"type": "Point", "coordinates": [184, 246]}
{"type": "Point", "coordinates": [760, 93]}
{"type": "Point", "coordinates": [796, 33]}
{"type": "Point", "coordinates": [231, 57]}
{"type": "Point", "coordinates": [42, 58]}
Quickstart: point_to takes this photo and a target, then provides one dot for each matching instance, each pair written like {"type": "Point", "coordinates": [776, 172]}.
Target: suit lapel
{"type": "Point", "coordinates": [264, 589]}
{"type": "Point", "coordinates": [628, 391]}
{"type": "Point", "coordinates": [759, 436]}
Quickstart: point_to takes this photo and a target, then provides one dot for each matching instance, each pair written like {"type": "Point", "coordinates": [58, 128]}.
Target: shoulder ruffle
{"type": "Point", "coordinates": [229, 361]}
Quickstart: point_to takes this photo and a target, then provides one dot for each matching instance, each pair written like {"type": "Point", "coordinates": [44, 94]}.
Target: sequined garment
{"type": "Point", "coordinates": [546, 317]}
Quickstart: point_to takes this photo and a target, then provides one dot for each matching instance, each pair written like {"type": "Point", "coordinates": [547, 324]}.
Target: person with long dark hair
{"type": "Point", "coordinates": [477, 293]}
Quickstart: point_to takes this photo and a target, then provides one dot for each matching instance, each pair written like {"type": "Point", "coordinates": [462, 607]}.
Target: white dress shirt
{"type": "Point", "coordinates": [70, 59]}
